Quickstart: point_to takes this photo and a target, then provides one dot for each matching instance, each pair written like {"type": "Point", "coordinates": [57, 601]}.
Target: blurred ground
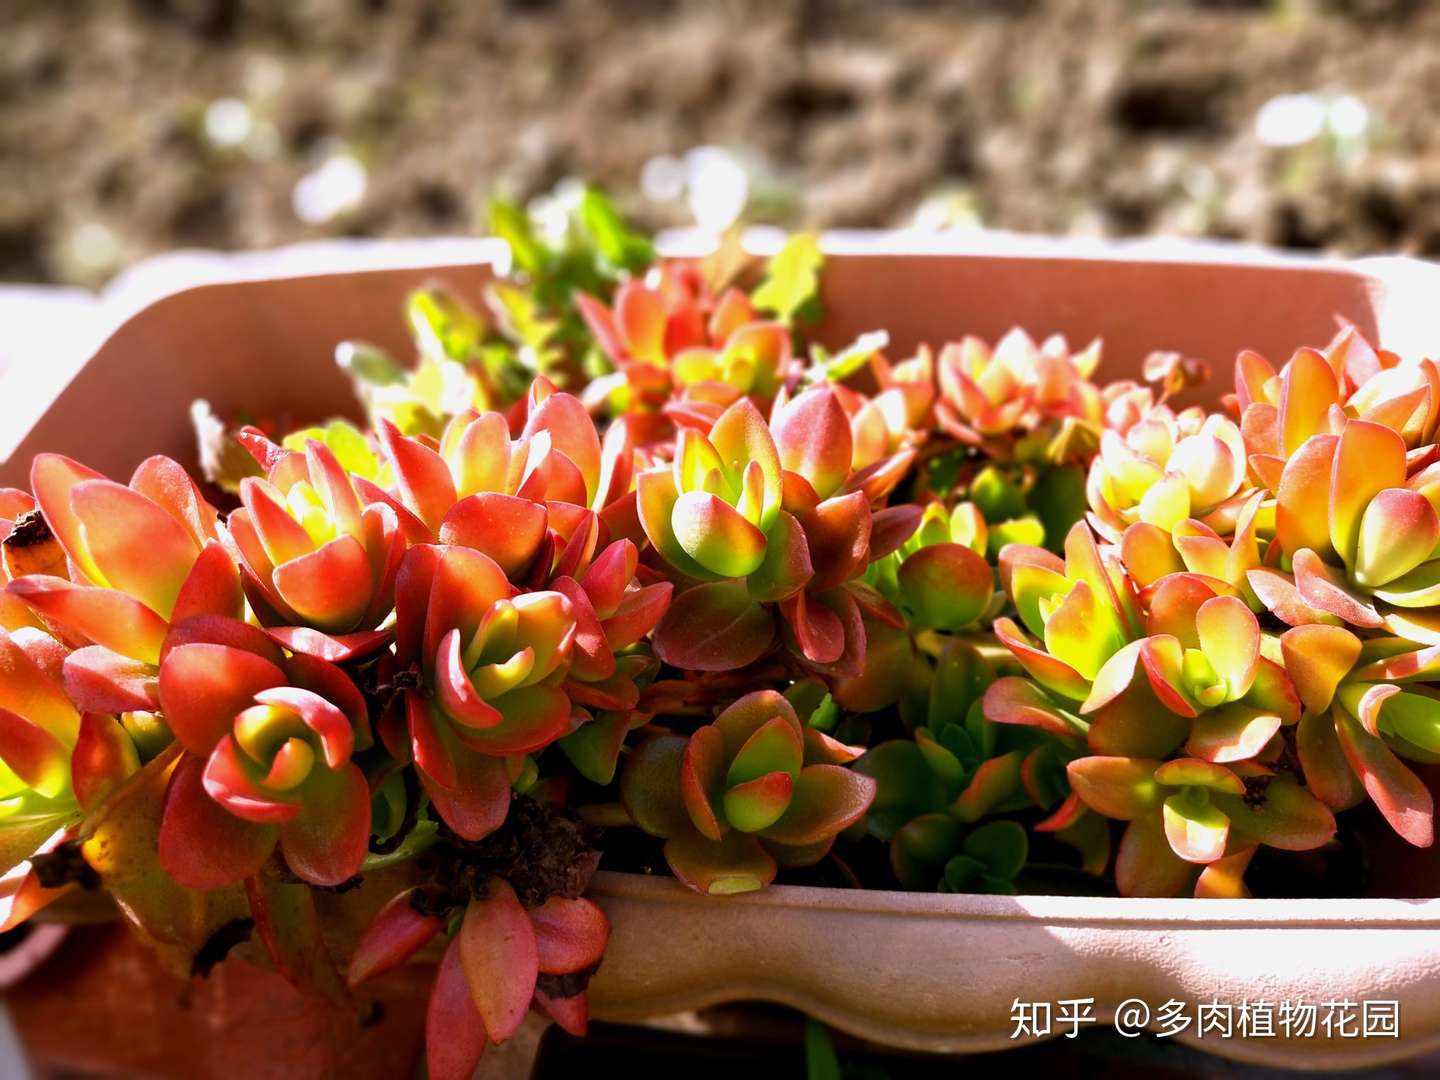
{"type": "Point", "coordinates": [133, 126]}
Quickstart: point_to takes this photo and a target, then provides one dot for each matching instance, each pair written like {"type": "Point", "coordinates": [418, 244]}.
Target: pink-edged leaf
{"type": "Point", "coordinates": [202, 845]}
{"type": "Point", "coordinates": [1323, 587]}
{"type": "Point", "coordinates": [570, 935]}
{"type": "Point", "coordinates": [396, 933]}
{"type": "Point", "coordinates": [454, 1029]}
{"type": "Point", "coordinates": [1317, 658]}
{"type": "Point", "coordinates": [103, 616]}
{"type": "Point", "coordinates": [478, 801]}
{"type": "Point", "coordinates": [102, 681]}
{"type": "Point", "coordinates": [1196, 830]}
{"type": "Point", "coordinates": [1282, 599]}
{"type": "Point", "coordinates": [1053, 674]}
{"type": "Point", "coordinates": [1232, 732]}
{"type": "Point", "coordinates": [738, 863]}
{"type": "Point", "coordinates": [812, 435]}
{"type": "Point", "coordinates": [501, 960]}
{"type": "Point", "coordinates": [1230, 638]}
{"type": "Point", "coordinates": [1288, 817]}
{"type": "Point", "coordinates": [1369, 458]}
{"type": "Point", "coordinates": [1123, 788]}
{"type": "Point", "coordinates": [1307, 390]}
{"type": "Point", "coordinates": [1013, 700]}
{"type": "Point", "coordinates": [203, 687]}
{"type": "Point", "coordinates": [713, 627]}
{"type": "Point", "coordinates": [702, 780]}
{"type": "Point", "coordinates": [1399, 794]}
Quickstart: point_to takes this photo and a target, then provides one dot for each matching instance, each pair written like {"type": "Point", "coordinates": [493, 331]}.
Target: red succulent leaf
{"type": "Point", "coordinates": [837, 535]}
{"type": "Point", "coordinates": [203, 687]}
{"type": "Point", "coordinates": [1400, 795]}
{"type": "Point", "coordinates": [715, 626]}
{"type": "Point", "coordinates": [891, 527]}
{"type": "Point", "coordinates": [501, 959]}
{"type": "Point", "coordinates": [102, 681]}
{"type": "Point", "coordinates": [637, 614]}
{"type": "Point", "coordinates": [1232, 732]}
{"type": "Point", "coordinates": [103, 758]}
{"type": "Point", "coordinates": [571, 1013]}
{"type": "Point", "coordinates": [212, 586]}
{"type": "Point", "coordinates": [393, 936]}
{"type": "Point", "coordinates": [104, 616]}
{"type": "Point", "coordinates": [702, 780]}
{"type": "Point", "coordinates": [570, 935]}
{"type": "Point", "coordinates": [202, 845]}
{"type": "Point", "coordinates": [506, 528]}
{"type": "Point", "coordinates": [454, 1029]}
{"type": "Point", "coordinates": [332, 648]}
{"type": "Point", "coordinates": [1324, 588]}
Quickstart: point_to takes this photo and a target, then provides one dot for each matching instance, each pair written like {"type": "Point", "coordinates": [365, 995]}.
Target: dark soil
{"type": "Point", "coordinates": [1115, 117]}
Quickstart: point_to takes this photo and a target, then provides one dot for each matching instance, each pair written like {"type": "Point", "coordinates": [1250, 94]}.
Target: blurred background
{"type": "Point", "coordinates": [130, 127]}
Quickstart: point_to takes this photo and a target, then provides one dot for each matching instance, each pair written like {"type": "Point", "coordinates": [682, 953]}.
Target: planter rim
{"type": "Point", "coordinates": [1133, 913]}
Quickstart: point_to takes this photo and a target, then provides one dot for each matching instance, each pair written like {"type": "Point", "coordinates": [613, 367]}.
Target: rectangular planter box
{"type": "Point", "coordinates": [922, 971]}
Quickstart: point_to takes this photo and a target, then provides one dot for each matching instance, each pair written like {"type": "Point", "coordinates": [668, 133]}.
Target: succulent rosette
{"type": "Point", "coordinates": [1140, 677]}
{"type": "Point", "coordinates": [490, 662]}
{"type": "Point", "coordinates": [318, 558]}
{"type": "Point", "coordinates": [680, 348]}
{"type": "Point", "coordinates": [957, 769]}
{"type": "Point", "coordinates": [269, 759]}
{"type": "Point", "coordinates": [986, 395]}
{"type": "Point", "coordinates": [759, 516]}
{"type": "Point", "coordinates": [939, 578]}
{"type": "Point", "coordinates": [138, 559]}
{"type": "Point", "coordinates": [1168, 468]}
{"type": "Point", "coordinates": [515, 499]}
{"type": "Point", "coordinates": [743, 796]}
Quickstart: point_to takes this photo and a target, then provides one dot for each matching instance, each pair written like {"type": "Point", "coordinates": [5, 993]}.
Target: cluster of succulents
{"type": "Point", "coordinates": [629, 564]}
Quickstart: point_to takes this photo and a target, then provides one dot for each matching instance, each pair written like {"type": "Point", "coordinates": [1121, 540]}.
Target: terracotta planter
{"type": "Point", "coordinates": [921, 971]}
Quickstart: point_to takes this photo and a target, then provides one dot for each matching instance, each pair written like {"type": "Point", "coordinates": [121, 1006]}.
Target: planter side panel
{"type": "Point", "coordinates": [896, 970]}
{"type": "Point", "coordinates": [256, 349]}
{"type": "Point", "coordinates": [1208, 310]}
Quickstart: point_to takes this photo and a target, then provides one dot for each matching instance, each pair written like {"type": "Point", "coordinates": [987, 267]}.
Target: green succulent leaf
{"type": "Point", "coordinates": [1001, 846]}
{"type": "Point", "coordinates": [792, 277]}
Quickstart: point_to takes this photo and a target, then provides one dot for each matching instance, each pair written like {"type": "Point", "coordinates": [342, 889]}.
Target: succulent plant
{"type": "Point", "coordinates": [626, 549]}
{"type": "Point", "coordinates": [745, 795]}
